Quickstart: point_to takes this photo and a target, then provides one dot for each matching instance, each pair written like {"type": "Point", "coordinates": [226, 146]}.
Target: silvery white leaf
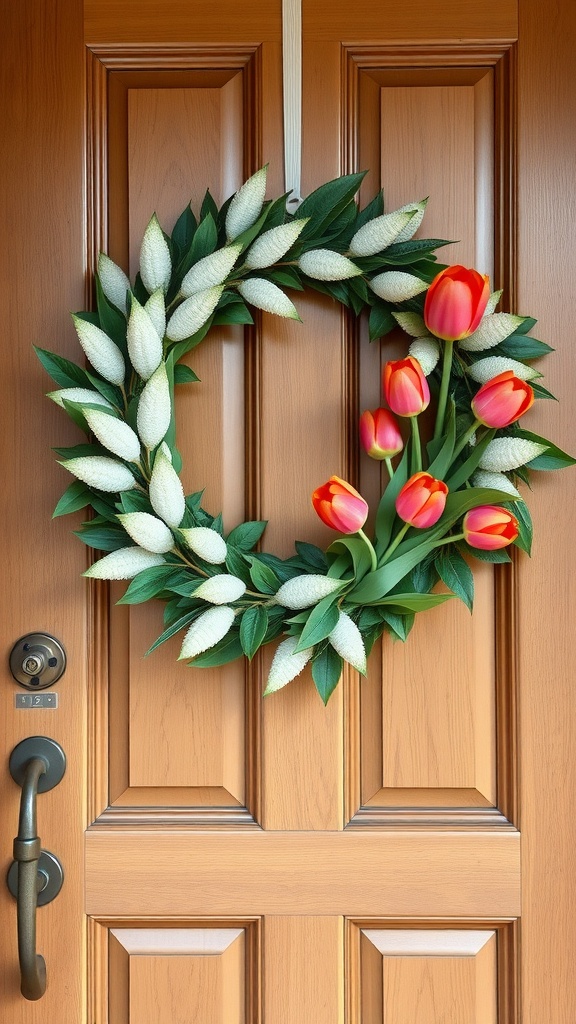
{"type": "Point", "coordinates": [286, 664]}
{"type": "Point", "coordinates": [210, 271]}
{"type": "Point", "coordinates": [494, 482]}
{"type": "Point", "coordinates": [206, 631]}
{"type": "Point", "coordinates": [144, 342]}
{"type": "Point", "coordinates": [492, 330]}
{"type": "Point", "coordinates": [206, 543]}
{"type": "Point", "coordinates": [114, 282]}
{"type": "Point", "coordinates": [156, 309]}
{"type": "Point", "coordinates": [493, 301]}
{"type": "Point", "coordinates": [221, 589]}
{"type": "Point", "coordinates": [273, 244]}
{"type": "Point", "coordinates": [377, 234]}
{"type": "Point", "coordinates": [116, 435]}
{"type": "Point", "coordinates": [267, 296]}
{"type": "Point", "coordinates": [100, 350]}
{"type": "Point", "coordinates": [147, 531]}
{"type": "Point", "coordinates": [155, 261]}
{"type": "Point", "coordinates": [304, 591]}
{"type": "Point", "coordinates": [166, 492]}
{"type": "Point", "coordinates": [412, 323]}
{"type": "Point", "coordinates": [123, 564]}
{"type": "Point", "coordinates": [427, 352]}
{"type": "Point", "coordinates": [193, 313]}
{"type": "Point", "coordinates": [346, 639]}
{"type": "Point", "coordinates": [506, 453]}
{"type": "Point", "coordinates": [397, 286]}
{"type": "Point", "coordinates": [246, 205]}
{"type": "Point", "coordinates": [412, 226]}
{"type": "Point", "coordinates": [100, 472]}
{"type": "Point", "coordinates": [82, 396]}
{"type": "Point", "coordinates": [154, 409]}
{"type": "Point", "coordinates": [486, 369]}
{"type": "Point", "coordinates": [327, 265]}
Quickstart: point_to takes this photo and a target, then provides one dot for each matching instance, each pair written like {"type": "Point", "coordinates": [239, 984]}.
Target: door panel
{"type": "Point", "coordinates": [278, 862]}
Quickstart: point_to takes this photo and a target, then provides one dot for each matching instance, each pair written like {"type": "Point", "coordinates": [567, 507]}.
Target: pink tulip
{"type": "Point", "coordinates": [421, 500]}
{"type": "Point", "coordinates": [405, 387]}
{"type": "Point", "coordinates": [380, 434]}
{"type": "Point", "coordinates": [489, 527]}
{"type": "Point", "coordinates": [340, 506]}
{"type": "Point", "coordinates": [455, 303]}
{"type": "Point", "coordinates": [502, 400]}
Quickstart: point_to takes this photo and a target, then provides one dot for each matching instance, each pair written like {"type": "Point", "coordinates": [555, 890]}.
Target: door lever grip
{"type": "Point", "coordinates": [37, 765]}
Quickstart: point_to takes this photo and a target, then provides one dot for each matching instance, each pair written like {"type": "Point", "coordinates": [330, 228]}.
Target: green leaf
{"type": "Point", "coordinates": [456, 574]}
{"type": "Point", "coordinates": [108, 390]}
{"type": "Point", "coordinates": [237, 564]}
{"type": "Point", "coordinates": [525, 530]}
{"type": "Point", "coordinates": [253, 627]}
{"type": "Point", "coordinates": [518, 346]}
{"type": "Point", "coordinates": [416, 602]}
{"type": "Point", "coordinates": [398, 625]}
{"type": "Point", "coordinates": [326, 672]}
{"type": "Point", "coordinates": [77, 495]}
{"type": "Point", "coordinates": [103, 538]}
{"type": "Point", "coordinates": [135, 501]}
{"type": "Point", "coordinates": [487, 556]}
{"type": "Point", "coordinates": [184, 375]}
{"type": "Point", "coordinates": [173, 628]}
{"type": "Point", "coordinates": [205, 240]}
{"type": "Point", "coordinates": [358, 552]}
{"type": "Point", "coordinates": [233, 313]}
{"type": "Point", "coordinates": [263, 578]}
{"type": "Point", "coordinates": [78, 451]}
{"type": "Point", "coordinates": [246, 535]}
{"type": "Point", "coordinates": [381, 321]}
{"type": "Point", "coordinates": [527, 324]}
{"type": "Point", "coordinates": [183, 231]}
{"type": "Point", "coordinates": [374, 209]}
{"type": "Point", "coordinates": [465, 470]}
{"type": "Point", "coordinates": [65, 373]}
{"type": "Point", "coordinates": [386, 513]}
{"type": "Point", "coordinates": [287, 277]}
{"type": "Point", "coordinates": [320, 623]}
{"type": "Point", "coordinates": [326, 203]}
{"type": "Point", "coordinates": [440, 465]}
{"type": "Point", "coordinates": [224, 651]}
{"type": "Point", "coordinates": [112, 322]}
{"type": "Point", "coordinates": [312, 556]}
{"type": "Point", "coordinates": [149, 583]}
{"type": "Point", "coordinates": [553, 458]}
{"type": "Point", "coordinates": [540, 391]}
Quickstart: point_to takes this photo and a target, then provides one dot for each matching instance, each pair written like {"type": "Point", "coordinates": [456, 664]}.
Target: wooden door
{"type": "Point", "coordinates": [230, 860]}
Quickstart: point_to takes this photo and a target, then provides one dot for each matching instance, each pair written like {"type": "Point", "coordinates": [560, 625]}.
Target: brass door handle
{"type": "Point", "coordinates": [37, 764]}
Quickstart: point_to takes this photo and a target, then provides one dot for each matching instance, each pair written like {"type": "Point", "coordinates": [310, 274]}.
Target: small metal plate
{"type": "Point", "coordinates": [50, 878]}
{"type": "Point", "coordinates": [37, 660]}
{"type": "Point", "coordinates": [35, 700]}
{"type": "Point", "coordinates": [50, 752]}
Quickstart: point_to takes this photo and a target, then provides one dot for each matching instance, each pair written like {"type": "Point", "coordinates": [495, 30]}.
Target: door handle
{"type": "Point", "coordinates": [37, 764]}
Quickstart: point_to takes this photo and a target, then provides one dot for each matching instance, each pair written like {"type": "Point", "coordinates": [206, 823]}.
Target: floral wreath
{"type": "Point", "coordinates": [454, 497]}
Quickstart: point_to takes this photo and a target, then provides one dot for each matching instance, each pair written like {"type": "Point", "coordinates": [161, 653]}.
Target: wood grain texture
{"type": "Point", "coordinates": [304, 978]}
{"type": "Point", "coordinates": [419, 874]}
{"type": "Point", "coordinates": [419, 20]}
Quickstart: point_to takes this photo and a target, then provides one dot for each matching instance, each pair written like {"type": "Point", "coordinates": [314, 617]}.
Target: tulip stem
{"type": "Point", "coordinates": [444, 385]}
{"type": "Point", "coordinates": [389, 467]}
{"type": "Point", "coordinates": [373, 559]}
{"type": "Point", "coordinates": [465, 438]}
{"type": "Point", "coordinates": [416, 446]}
{"type": "Point", "coordinates": [399, 536]}
{"type": "Point", "coordinates": [453, 539]}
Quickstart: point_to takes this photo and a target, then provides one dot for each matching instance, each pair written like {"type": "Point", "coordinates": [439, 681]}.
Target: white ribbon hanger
{"type": "Point", "coordinates": [292, 85]}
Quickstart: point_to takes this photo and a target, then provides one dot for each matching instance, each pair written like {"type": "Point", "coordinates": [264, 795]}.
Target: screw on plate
{"type": "Point", "coordinates": [37, 660]}
{"type": "Point", "coordinates": [34, 664]}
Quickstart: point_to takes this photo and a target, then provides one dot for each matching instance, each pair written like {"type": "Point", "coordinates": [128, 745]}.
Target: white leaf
{"type": "Point", "coordinates": [304, 591]}
{"type": "Point", "coordinates": [267, 296]}
{"type": "Point", "coordinates": [100, 350]}
{"type": "Point", "coordinates": [193, 313]}
{"type": "Point", "coordinates": [286, 665]}
{"type": "Point", "coordinates": [116, 435]}
{"type": "Point", "coordinates": [206, 543]}
{"type": "Point", "coordinates": [412, 323]}
{"type": "Point", "coordinates": [206, 631]}
{"type": "Point", "coordinates": [492, 330]}
{"type": "Point", "coordinates": [210, 271]}
{"type": "Point", "coordinates": [427, 352]}
{"type": "Point", "coordinates": [144, 342]}
{"type": "Point", "coordinates": [221, 589]}
{"type": "Point", "coordinates": [506, 453]}
{"type": "Point", "coordinates": [380, 232]}
{"type": "Point", "coordinates": [327, 265]}
{"type": "Point", "coordinates": [493, 301]}
{"type": "Point", "coordinates": [485, 369]}
{"type": "Point", "coordinates": [166, 492]}
{"type": "Point", "coordinates": [100, 472]}
{"type": "Point", "coordinates": [246, 205]}
{"type": "Point", "coordinates": [147, 531]}
{"type": "Point", "coordinates": [397, 286]}
{"type": "Point", "coordinates": [154, 409]}
{"type": "Point", "coordinates": [494, 481]}
{"type": "Point", "coordinates": [156, 309]}
{"type": "Point", "coordinates": [155, 262]}
{"type": "Point", "coordinates": [82, 396]}
{"type": "Point", "coordinates": [346, 639]}
{"type": "Point", "coordinates": [114, 282]}
{"type": "Point", "coordinates": [123, 564]}
{"type": "Point", "coordinates": [273, 244]}
{"type": "Point", "coordinates": [412, 226]}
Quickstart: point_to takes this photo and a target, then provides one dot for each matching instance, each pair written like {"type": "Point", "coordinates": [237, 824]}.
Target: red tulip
{"type": "Point", "coordinates": [405, 387]}
{"type": "Point", "coordinates": [421, 500]}
{"type": "Point", "coordinates": [502, 400]}
{"type": "Point", "coordinates": [340, 506]}
{"type": "Point", "coordinates": [455, 303]}
{"type": "Point", "coordinates": [489, 527]}
{"type": "Point", "coordinates": [380, 434]}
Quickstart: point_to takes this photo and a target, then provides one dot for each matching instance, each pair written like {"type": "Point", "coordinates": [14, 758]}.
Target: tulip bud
{"type": "Point", "coordinates": [405, 387]}
{"type": "Point", "coordinates": [379, 233]}
{"type": "Point", "coordinates": [427, 352]}
{"type": "Point", "coordinates": [166, 491]}
{"type": "Point", "coordinates": [206, 543]}
{"type": "Point", "coordinates": [502, 400]}
{"type": "Point", "coordinates": [147, 531]}
{"type": "Point", "coordinates": [100, 350]}
{"type": "Point", "coordinates": [455, 303]}
{"type": "Point", "coordinates": [116, 435]}
{"type": "Point", "coordinates": [304, 591]}
{"type": "Point", "coordinates": [379, 434]}
{"type": "Point", "coordinates": [123, 564]}
{"type": "Point", "coordinates": [221, 589]}
{"type": "Point", "coordinates": [155, 261]}
{"type": "Point", "coordinates": [100, 472]}
{"type": "Point", "coordinates": [506, 453]}
{"type": "Point", "coordinates": [144, 342]}
{"type": "Point", "coordinates": [113, 281]}
{"type": "Point", "coordinates": [486, 369]}
{"type": "Point", "coordinates": [82, 396]}
{"type": "Point", "coordinates": [346, 639]}
{"type": "Point", "coordinates": [207, 630]}
{"type": "Point", "coordinates": [246, 204]}
{"type": "Point", "coordinates": [421, 500]}
{"type": "Point", "coordinates": [274, 244]}
{"type": "Point", "coordinates": [327, 265]}
{"type": "Point", "coordinates": [489, 527]}
{"type": "Point", "coordinates": [340, 506]}
{"type": "Point", "coordinates": [193, 313]}
{"type": "Point", "coordinates": [156, 309]}
{"type": "Point", "coordinates": [267, 296]}
{"type": "Point", "coordinates": [492, 330]}
{"type": "Point", "coordinates": [154, 409]}
{"type": "Point", "coordinates": [286, 664]}
{"type": "Point", "coordinates": [210, 271]}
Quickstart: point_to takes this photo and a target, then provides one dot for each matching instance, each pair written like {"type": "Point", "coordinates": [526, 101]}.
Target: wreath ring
{"type": "Point", "coordinates": [456, 496]}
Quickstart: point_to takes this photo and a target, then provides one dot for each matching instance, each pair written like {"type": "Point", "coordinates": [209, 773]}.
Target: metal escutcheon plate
{"type": "Point", "coordinates": [37, 660]}
{"type": "Point", "coordinates": [50, 752]}
{"type": "Point", "coordinates": [50, 878]}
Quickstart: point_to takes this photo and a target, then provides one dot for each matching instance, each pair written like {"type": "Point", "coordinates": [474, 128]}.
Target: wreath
{"type": "Point", "coordinates": [454, 497]}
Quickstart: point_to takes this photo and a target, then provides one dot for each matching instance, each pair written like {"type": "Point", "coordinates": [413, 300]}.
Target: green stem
{"type": "Point", "coordinates": [444, 385]}
{"type": "Point", "coordinates": [465, 438]}
{"type": "Point", "coordinates": [399, 536]}
{"type": "Point", "coordinates": [373, 559]}
{"type": "Point", "coordinates": [453, 539]}
{"type": "Point", "coordinates": [416, 446]}
{"type": "Point", "coordinates": [389, 467]}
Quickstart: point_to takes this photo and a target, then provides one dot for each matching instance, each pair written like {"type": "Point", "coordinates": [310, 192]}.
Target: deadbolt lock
{"type": "Point", "coordinates": [37, 660]}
